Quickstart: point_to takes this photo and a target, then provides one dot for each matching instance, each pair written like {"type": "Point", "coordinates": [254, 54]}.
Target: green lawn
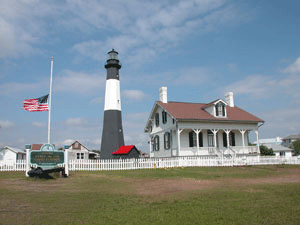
{"type": "Point", "coordinates": [228, 195]}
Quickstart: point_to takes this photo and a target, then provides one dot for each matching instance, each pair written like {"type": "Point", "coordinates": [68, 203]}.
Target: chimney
{"type": "Point", "coordinates": [163, 94]}
{"type": "Point", "coordinates": [229, 99]}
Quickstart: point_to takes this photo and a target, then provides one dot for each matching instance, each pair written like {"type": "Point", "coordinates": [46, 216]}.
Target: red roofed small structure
{"type": "Point", "coordinates": [218, 128]}
{"type": "Point", "coordinates": [127, 151]}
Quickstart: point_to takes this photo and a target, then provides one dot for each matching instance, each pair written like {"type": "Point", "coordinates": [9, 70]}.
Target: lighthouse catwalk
{"type": "Point", "coordinates": [112, 133]}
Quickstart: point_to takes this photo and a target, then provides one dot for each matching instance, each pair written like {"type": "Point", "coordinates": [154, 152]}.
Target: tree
{"type": "Point", "coordinates": [296, 147]}
{"type": "Point", "coordinates": [266, 151]}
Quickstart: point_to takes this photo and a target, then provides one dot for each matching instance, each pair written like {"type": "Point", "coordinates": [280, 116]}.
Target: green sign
{"type": "Point", "coordinates": [47, 158]}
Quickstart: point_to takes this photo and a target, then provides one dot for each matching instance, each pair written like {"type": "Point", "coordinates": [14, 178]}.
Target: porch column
{"type": "Point", "coordinates": [243, 136]}
{"type": "Point", "coordinates": [257, 139]}
{"type": "Point", "coordinates": [197, 131]}
{"type": "Point", "coordinates": [215, 131]}
{"type": "Point", "coordinates": [227, 131]}
{"type": "Point", "coordinates": [178, 139]}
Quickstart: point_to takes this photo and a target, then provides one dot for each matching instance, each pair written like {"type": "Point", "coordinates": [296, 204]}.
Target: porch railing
{"type": "Point", "coordinates": [232, 150]}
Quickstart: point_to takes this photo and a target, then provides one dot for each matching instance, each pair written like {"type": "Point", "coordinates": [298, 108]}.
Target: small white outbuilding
{"type": "Point", "coordinates": [12, 154]}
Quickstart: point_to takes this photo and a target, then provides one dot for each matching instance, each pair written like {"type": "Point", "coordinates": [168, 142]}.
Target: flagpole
{"type": "Point", "coordinates": [49, 106]}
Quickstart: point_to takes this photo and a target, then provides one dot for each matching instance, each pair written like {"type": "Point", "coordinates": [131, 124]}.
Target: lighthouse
{"type": "Point", "coordinates": [112, 133]}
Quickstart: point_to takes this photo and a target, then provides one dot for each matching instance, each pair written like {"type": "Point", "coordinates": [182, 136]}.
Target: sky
{"type": "Point", "coordinates": [199, 49]}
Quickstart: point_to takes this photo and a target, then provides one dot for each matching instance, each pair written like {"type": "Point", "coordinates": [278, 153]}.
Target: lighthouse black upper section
{"type": "Point", "coordinates": [112, 65]}
{"type": "Point", "coordinates": [112, 73]}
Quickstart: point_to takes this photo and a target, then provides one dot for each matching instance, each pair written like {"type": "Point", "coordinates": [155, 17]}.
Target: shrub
{"type": "Point", "coordinates": [266, 151]}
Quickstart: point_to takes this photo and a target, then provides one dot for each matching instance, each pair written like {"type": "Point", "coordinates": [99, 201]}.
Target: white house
{"type": "Point", "coordinates": [288, 141]}
{"type": "Point", "coordinates": [280, 150]}
{"type": "Point", "coordinates": [218, 128]}
{"type": "Point", "coordinates": [78, 151]}
{"type": "Point", "coordinates": [12, 154]}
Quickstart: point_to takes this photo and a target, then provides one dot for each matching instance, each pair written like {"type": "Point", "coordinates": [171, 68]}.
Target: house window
{"type": "Point", "coordinates": [82, 155]}
{"type": "Point", "coordinates": [282, 153]}
{"type": "Point", "coordinates": [164, 117]}
{"type": "Point", "coordinates": [78, 155]}
{"type": "Point", "coordinates": [192, 139]}
{"type": "Point", "coordinates": [156, 143]}
{"type": "Point", "coordinates": [173, 121]}
{"type": "Point", "coordinates": [167, 140]}
{"type": "Point", "coordinates": [210, 138]}
{"type": "Point", "coordinates": [232, 139]}
{"type": "Point", "coordinates": [157, 119]}
{"type": "Point", "coordinates": [200, 135]}
{"type": "Point", "coordinates": [224, 139]}
{"type": "Point", "coordinates": [220, 109]}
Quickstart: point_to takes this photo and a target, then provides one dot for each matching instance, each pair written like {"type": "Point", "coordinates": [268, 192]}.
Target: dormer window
{"type": "Point", "coordinates": [220, 109]}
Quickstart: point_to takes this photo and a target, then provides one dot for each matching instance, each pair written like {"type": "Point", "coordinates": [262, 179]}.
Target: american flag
{"type": "Point", "coordinates": [36, 104]}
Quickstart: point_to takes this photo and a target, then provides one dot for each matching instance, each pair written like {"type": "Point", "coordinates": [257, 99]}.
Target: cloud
{"type": "Point", "coordinates": [67, 142]}
{"type": "Point", "coordinates": [78, 82]}
{"type": "Point", "coordinates": [139, 28]}
{"type": "Point", "coordinates": [15, 87]}
{"type": "Point", "coordinates": [97, 100]}
{"type": "Point", "coordinates": [134, 95]}
{"type": "Point", "coordinates": [143, 29]}
{"type": "Point", "coordinates": [77, 122]}
{"type": "Point", "coordinates": [293, 68]}
{"type": "Point", "coordinates": [279, 122]}
{"type": "Point", "coordinates": [260, 86]}
{"type": "Point", "coordinates": [6, 124]}
{"type": "Point", "coordinates": [186, 76]}
{"type": "Point", "coordinates": [254, 85]}
{"type": "Point", "coordinates": [39, 124]}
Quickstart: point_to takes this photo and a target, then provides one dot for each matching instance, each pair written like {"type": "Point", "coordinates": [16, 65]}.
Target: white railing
{"type": "Point", "coordinates": [244, 150]}
{"type": "Point", "coordinates": [151, 163]}
{"type": "Point", "coordinates": [19, 165]}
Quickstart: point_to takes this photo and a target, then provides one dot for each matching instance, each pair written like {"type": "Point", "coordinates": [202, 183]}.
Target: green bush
{"type": "Point", "coordinates": [296, 147]}
{"type": "Point", "coordinates": [266, 151]}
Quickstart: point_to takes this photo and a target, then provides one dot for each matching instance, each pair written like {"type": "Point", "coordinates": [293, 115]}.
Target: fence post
{"type": "Point", "coordinates": [67, 162]}
{"type": "Point", "coordinates": [27, 161]}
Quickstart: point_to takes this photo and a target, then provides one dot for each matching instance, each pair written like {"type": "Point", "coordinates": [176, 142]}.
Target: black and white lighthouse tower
{"type": "Point", "coordinates": [112, 133]}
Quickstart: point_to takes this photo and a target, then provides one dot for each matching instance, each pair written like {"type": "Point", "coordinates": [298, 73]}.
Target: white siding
{"type": "Point", "coordinates": [8, 155]}
{"type": "Point", "coordinates": [160, 130]}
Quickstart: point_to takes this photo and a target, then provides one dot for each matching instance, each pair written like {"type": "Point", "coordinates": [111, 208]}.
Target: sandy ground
{"type": "Point", "coordinates": [152, 187]}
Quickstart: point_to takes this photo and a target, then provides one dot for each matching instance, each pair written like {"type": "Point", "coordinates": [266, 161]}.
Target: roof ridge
{"type": "Point", "coordinates": [183, 102]}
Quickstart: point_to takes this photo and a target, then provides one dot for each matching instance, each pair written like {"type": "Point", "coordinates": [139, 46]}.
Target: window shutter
{"type": "Point", "coordinates": [200, 139]}
{"type": "Point", "coordinates": [157, 119]}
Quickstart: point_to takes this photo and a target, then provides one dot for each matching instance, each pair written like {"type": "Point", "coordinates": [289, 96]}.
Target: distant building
{"type": "Point", "coordinates": [218, 128]}
{"type": "Point", "coordinates": [280, 150]}
{"type": "Point", "coordinates": [38, 146]}
{"type": "Point", "coordinates": [78, 151]}
{"type": "Point", "coordinates": [276, 141]}
{"type": "Point", "coordinates": [126, 152]}
{"type": "Point", "coordinates": [12, 154]}
{"type": "Point", "coordinates": [288, 141]}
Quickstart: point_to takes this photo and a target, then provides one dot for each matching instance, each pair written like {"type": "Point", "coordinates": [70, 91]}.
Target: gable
{"type": "Point", "coordinates": [157, 111]}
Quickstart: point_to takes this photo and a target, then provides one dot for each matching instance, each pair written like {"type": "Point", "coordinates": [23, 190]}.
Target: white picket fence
{"type": "Point", "coordinates": [151, 163]}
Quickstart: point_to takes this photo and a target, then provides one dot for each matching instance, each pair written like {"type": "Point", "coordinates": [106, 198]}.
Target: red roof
{"type": "Point", "coordinates": [123, 150]}
{"type": "Point", "coordinates": [195, 111]}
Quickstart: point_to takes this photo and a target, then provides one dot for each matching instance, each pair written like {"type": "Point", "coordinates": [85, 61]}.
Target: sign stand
{"type": "Point", "coordinates": [46, 160]}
